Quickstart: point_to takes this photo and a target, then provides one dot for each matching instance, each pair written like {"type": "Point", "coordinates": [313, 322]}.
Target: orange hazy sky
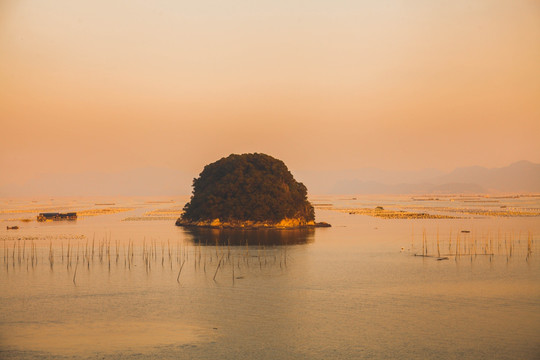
{"type": "Point", "coordinates": [109, 85]}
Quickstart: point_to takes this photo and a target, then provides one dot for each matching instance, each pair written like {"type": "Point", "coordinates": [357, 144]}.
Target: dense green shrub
{"type": "Point", "coordinates": [254, 187]}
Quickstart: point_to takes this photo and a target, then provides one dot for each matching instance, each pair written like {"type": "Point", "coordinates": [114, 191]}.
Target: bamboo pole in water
{"type": "Point", "coordinates": [75, 272]}
{"type": "Point", "coordinates": [424, 247]}
{"type": "Point", "coordinates": [438, 249]}
{"type": "Point", "coordinates": [217, 268]}
{"type": "Point", "coordinates": [450, 242]}
{"type": "Point", "coordinates": [180, 271]}
{"type": "Point", "coordinates": [51, 255]}
{"type": "Point", "coordinates": [529, 246]}
{"type": "Point", "coordinates": [412, 238]}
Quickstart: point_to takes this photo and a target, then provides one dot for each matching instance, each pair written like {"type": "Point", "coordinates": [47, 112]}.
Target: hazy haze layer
{"type": "Point", "coordinates": [111, 86]}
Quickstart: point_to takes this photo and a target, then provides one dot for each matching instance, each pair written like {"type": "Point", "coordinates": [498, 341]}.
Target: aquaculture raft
{"type": "Point", "coordinates": [57, 216]}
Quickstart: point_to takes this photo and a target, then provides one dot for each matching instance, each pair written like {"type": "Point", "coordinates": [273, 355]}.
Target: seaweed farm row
{"type": "Point", "coordinates": [435, 212]}
{"type": "Point", "coordinates": [215, 262]}
{"type": "Point", "coordinates": [223, 261]}
{"type": "Point", "coordinates": [507, 245]}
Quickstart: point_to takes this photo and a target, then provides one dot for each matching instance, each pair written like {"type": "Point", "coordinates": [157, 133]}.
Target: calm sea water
{"type": "Point", "coordinates": [137, 288]}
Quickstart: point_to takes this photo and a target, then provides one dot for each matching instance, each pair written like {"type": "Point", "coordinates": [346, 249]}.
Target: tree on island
{"type": "Point", "coordinates": [254, 188]}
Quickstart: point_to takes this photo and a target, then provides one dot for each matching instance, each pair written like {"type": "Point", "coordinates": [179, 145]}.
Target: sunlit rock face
{"type": "Point", "coordinates": [248, 191]}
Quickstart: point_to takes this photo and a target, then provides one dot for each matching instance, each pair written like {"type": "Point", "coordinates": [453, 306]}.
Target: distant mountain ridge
{"type": "Point", "coordinates": [518, 177]}
{"type": "Point", "coordinates": [522, 176]}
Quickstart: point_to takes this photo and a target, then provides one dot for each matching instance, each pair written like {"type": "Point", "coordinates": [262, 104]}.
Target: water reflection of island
{"type": "Point", "coordinates": [262, 237]}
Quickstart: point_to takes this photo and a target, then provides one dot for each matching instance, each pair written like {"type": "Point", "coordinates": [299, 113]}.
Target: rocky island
{"type": "Point", "coordinates": [248, 191]}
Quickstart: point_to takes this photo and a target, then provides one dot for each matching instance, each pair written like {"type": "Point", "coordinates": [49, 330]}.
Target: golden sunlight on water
{"type": "Point", "coordinates": [107, 336]}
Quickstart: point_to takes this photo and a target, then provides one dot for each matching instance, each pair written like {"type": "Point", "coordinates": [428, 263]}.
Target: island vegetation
{"type": "Point", "coordinates": [248, 191]}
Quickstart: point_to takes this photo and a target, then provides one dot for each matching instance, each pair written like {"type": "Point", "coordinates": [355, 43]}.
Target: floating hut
{"type": "Point", "coordinates": [57, 216]}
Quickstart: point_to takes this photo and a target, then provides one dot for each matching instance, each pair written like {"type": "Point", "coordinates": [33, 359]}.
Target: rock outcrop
{"type": "Point", "coordinates": [248, 191]}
